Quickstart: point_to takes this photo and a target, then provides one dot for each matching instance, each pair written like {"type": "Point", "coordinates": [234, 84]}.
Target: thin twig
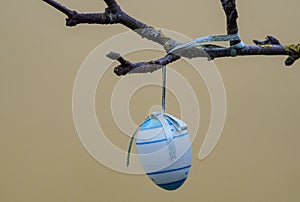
{"type": "Point", "coordinates": [59, 7]}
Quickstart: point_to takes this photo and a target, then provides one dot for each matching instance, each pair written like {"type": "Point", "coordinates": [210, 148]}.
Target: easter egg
{"type": "Point", "coordinates": [164, 150]}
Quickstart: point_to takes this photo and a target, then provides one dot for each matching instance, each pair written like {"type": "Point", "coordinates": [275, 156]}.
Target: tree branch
{"type": "Point", "coordinates": [113, 14]}
{"type": "Point", "coordinates": [59, 7]}
{"type": "Point", "coordinates": [127, 67]}
{"type": "Point", "coordinates": [229, 7]}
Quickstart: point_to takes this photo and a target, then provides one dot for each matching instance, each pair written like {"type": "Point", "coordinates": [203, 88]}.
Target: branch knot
{"type": "Point", "coordinates": [72, 19]}
{"type": "Point", "coordinates": [294, 53]}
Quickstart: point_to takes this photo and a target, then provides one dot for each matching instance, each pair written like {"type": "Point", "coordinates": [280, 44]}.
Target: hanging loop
{"type": "Point", "coordinates": [166, 120]}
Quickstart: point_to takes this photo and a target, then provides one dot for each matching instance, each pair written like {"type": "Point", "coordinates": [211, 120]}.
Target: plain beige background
{"type": "Point", "coordinates": [42, 159]}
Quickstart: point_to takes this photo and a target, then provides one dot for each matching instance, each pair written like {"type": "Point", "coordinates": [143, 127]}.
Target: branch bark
{"type": "Point", "coordinates": [113, 14]}
{"type": "Point", "coordinates": [127, 67]}
{"type": "Point", "coordinates": [230, 10]}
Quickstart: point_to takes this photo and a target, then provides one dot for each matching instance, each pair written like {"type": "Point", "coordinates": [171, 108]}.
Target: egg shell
{"type": "Point", "coordinates": [153, 152]}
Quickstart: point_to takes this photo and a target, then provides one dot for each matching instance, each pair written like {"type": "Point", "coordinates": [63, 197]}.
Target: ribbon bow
{"type": "Point", "coordinates": [163, 119]}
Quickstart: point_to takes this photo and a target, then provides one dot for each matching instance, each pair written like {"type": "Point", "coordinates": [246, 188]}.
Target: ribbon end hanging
{"type": "Point", "coordinates": [163, 97]}
{"type": "Point", "coordinates": [130, 145]}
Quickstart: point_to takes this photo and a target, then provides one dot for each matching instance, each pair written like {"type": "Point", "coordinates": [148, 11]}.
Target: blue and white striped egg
{"type": "Point", "coordinates": [153, 150]}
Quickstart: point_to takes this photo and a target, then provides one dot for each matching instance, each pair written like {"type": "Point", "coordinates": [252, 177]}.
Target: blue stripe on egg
{"type": "Point", "coordinates": [168, 171]}
{"type": "Point", "coordinates": [161, 140]}
{"type": "Point", "coordinates": [172, 185]}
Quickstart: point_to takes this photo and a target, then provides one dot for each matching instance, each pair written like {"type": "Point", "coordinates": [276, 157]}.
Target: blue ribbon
{"type": "Point", "coordinates": [198, 42]}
